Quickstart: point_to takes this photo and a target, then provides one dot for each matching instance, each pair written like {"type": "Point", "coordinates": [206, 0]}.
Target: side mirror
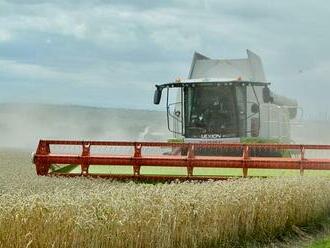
{"type": "Point", "coordinates": [266, 95]}
{"type": "Point", "coordinates": [157, 95]}
{"type": "Point", "coordinates": [255, 108]}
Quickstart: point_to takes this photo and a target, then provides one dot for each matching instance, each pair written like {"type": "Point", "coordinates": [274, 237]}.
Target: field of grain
{"type": "Point", "coordinates": [59, 212]}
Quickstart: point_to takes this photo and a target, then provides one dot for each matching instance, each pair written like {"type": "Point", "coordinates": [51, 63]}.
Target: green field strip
{"type": "Point", "coordinates": [317, 173]}
{"type": "Point", "coordinates": [156, 170]}
{"type": "Point", "coordinates": [77, 169]}
{"type": "Point", "coordinates": [217, 172]}
{"type": "Point", "coordinates": [273, 172]}
{"type": "Point", "coordinates": [114, 169]}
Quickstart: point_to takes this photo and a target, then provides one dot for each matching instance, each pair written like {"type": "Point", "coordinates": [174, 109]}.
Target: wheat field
{"type": "Point", "coordinates": [66, 212]}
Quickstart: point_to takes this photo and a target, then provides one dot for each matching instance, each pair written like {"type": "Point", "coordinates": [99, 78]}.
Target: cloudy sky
{"type": "Point", "coordinates": [110, 53]}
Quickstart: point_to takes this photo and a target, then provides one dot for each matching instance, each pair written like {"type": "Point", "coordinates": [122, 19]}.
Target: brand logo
{"type": "Point", "coordinates": [211, 136]}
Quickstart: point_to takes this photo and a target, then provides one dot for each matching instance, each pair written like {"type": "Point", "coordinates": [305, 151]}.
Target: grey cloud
{"type": "Point", "coordinates": [119, 44]}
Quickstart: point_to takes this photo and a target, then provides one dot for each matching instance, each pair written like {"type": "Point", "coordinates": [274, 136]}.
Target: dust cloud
{"type": "Point", "coordinates": [312, 131]}
{"type": "Point", "coordinates": [22, 125]}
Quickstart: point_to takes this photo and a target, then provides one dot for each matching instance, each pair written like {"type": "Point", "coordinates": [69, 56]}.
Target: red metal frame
{"type": "Point", "coordinates": [43, 158]}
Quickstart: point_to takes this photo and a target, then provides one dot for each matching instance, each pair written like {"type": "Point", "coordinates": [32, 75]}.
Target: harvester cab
{"type": "Point", "coordinates": [226, 101]}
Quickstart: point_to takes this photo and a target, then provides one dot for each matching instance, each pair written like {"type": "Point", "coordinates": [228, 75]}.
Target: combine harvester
{"type": "Point", "coordinates": [224, 118]}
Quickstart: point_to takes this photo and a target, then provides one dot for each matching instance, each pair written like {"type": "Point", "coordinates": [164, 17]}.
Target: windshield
{"type": "Point", "coordinates": [213, 111]}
